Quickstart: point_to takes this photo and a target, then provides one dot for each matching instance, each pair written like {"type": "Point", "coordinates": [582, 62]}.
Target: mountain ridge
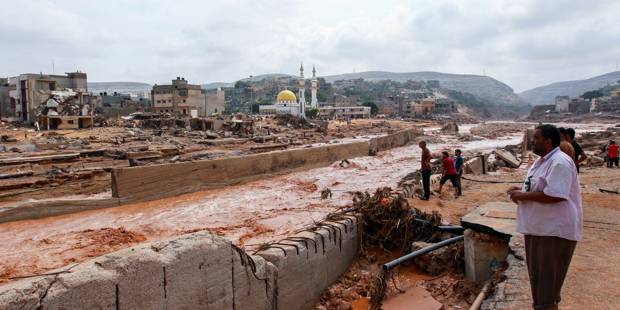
{"type": "Point", "coordinates": [546, 94]}
{"type": "Point", "coordinates": [484, 87]}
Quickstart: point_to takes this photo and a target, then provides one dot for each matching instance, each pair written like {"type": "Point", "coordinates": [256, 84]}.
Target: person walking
{"type": "Point", "coordinates": [458, 164]}
{"type": "Point", "coordinates": [549, 215]}
{"type": "Point", "coordinates": [425, 168]}
{"type": "Point", "coordinates": [580, 155]}
{"type": "Point", "coordinates": [612, 154]}
{"type": "Point", "coordinates": [448, 173]}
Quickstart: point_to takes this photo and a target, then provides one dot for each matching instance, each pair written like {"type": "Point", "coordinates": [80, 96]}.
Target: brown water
{"type": "Point", "coordinates": [247, 214]}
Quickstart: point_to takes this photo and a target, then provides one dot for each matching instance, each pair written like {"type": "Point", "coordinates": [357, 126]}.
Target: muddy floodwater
{"type": "Point", "coordinates": [246, 214]}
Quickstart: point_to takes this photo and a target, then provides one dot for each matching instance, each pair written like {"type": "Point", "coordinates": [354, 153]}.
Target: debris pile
{"type": "Point", "coordinates": [390, 222]}
{"type": "Point", "coordinates": [64, 103]}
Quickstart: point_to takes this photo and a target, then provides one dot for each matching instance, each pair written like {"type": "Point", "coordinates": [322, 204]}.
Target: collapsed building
{"type": "Point", "coordinates": [51, 101]}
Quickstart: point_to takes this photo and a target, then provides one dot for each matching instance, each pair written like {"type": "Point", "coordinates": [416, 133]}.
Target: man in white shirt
{"type": "Point", "coordinates": [549, 216]}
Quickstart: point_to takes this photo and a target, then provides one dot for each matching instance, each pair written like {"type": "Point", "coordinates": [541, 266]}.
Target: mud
{"type": "Point", "coordinates": [248, 214]}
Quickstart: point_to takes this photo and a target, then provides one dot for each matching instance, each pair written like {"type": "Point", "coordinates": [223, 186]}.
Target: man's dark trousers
{"type": "Point", "coordinates": [426, 183]}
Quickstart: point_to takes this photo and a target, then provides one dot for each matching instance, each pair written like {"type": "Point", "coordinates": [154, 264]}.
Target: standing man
{"type": "Point", "coordinates": [449, 173]}
{"type": "Point", "coordinates": [426, 170]}
{"type": "Point", "coordinates": [612, 154]}
{"type": "Point", "coordinates": [580, 155]}
{"type": "Point", "coordinates": [549, 216]}
{"type": "Point", "coordinates": [458, 164]}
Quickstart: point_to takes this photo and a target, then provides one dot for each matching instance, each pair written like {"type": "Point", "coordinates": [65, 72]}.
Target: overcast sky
{"type": "Point", "coordinates": [524, 43]}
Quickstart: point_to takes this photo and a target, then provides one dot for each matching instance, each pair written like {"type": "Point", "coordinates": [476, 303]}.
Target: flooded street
{"type": "Point", "coordinates": [246, 214]}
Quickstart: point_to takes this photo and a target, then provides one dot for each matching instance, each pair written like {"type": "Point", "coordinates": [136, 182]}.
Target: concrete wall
{"type": "Point", "coordinates": [194, 271]}
{"type": "Point", "coordinates": [394, 140]}
{"type": "Point", "coordinates": [197, 271]}
{"type": "Point", "coordinates": [310, 261]}
{"type": "Point", "coordinates": [153, 182]}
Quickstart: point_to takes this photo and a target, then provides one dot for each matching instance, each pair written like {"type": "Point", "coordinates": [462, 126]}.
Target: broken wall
{"type": "Point", "coordinates": [197, 270]}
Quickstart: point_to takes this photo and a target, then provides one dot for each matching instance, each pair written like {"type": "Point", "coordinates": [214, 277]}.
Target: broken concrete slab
{"type": "Point", "coordinates": [496, 218]}
{"type": "Point", "coordinates": [510, 159]}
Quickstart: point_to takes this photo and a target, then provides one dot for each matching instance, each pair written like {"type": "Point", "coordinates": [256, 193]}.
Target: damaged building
{"type": "Point", "coordinates": [52, 101]}
{"type": "Point", "coordinates": [183, 98]}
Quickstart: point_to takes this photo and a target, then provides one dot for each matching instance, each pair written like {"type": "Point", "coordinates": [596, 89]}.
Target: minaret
{"type": "Point", "coordinates": [302, 91]}
{"type": "Point", "coordinates": [314, 102]}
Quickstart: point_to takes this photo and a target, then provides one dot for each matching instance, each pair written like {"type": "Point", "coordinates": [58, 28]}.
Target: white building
{"type": "Point", "coordinates": [345, 112]}
{"type": "Point", "coordinates": [562, 103]}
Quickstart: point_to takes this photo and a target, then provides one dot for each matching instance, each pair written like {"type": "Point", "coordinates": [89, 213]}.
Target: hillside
{"type": "Point", "coordinates": [484, 87]}
{"type": "Point", "coordinates": [546, 94]}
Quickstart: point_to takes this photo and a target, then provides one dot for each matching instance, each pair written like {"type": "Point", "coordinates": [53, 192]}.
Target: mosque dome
{"type": "Point", "coordinates": [286, 96]}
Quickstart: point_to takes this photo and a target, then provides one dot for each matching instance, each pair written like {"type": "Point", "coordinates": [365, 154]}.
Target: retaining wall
{"type": "Point", "coordinates": [197, 271]}
{"type": "Point", "coordinates": [158, 181]}
{"type": "Point", "coordinates": [394, 140]}
{"type": "Point", "coordinates": [27, 210]}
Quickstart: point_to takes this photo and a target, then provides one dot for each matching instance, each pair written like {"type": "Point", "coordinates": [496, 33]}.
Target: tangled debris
{"type": "Point", "coordinates": [390, 222]}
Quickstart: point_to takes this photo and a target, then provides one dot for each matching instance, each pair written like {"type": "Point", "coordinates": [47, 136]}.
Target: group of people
{"type": "Point", "coordinates": [452, 170]}
{"type": "Point", "coordinates": [549, 212]}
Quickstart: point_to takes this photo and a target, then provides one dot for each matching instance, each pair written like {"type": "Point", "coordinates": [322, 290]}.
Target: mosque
{"type": "Point", "coordinates": [287, 102]}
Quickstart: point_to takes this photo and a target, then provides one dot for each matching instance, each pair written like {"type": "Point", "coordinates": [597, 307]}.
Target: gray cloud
{"type": "Point", "coordinates": [522, 43]}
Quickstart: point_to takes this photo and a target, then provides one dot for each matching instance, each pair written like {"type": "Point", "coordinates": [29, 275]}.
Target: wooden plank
{"type": "Point", "coordinates": [157, 181]}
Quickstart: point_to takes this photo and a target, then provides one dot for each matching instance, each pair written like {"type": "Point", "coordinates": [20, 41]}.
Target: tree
{"type": "Point", "coordinates": [312, 112]}
{"type": "Point", "coordinates": [373, 107]}
{"type": "Point", "coordinates": [241, 84]}
{"type": "Point", "coordinates": [592, 94]}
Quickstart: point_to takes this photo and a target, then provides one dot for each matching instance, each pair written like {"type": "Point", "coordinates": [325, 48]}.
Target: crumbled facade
{"type": "Point", "coordinates": [39, 97]}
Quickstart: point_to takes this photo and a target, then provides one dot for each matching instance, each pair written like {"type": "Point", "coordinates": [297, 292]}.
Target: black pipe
{"type": "Point", "coordinates": [455, 229]}
{"type": "Point", "coordinates": [412, 255]}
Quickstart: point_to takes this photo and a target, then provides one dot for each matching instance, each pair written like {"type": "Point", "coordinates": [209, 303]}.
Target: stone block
{"type": "Point", "coordinates": [481, 252]}
{"type": "Point", "coordinates": [254, 281]}
{"type": "Point", "coordinates": [87, 286]}
{"type": "Point", "coordinates": [25, 293]}
{"type": "Point", "coordinates": [197, 271]}
{"type": "Point", "coordinates": [141, 277]}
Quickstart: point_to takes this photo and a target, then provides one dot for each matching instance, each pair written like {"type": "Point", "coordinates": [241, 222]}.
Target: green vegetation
{"type": "Point", "coordinates": [592, 94]}
{"type": "Point", "coordinates": [373, 107]}
{"type": "Point", "coordinates": [312, 112]}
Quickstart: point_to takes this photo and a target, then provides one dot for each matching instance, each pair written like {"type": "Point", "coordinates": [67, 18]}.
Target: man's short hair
{"type": "Point", "coordinates": [457, 151]}
{"type": "Point", "coordinates": [550, 132]}
{"type": "Point", "coordinates": [445, 153]}
{"type": "Point", "coordinates": [423, 143]}
{"type": "Point", "coordinates": [571, 132]}
{"type": "Point", "coordinates": [562, 130]}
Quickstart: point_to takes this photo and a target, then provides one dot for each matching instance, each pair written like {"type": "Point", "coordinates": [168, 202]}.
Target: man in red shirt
{"type": "Point", "coordinates": [449, 173]}
{"type": "Point", "coordinates": [612, 154]}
